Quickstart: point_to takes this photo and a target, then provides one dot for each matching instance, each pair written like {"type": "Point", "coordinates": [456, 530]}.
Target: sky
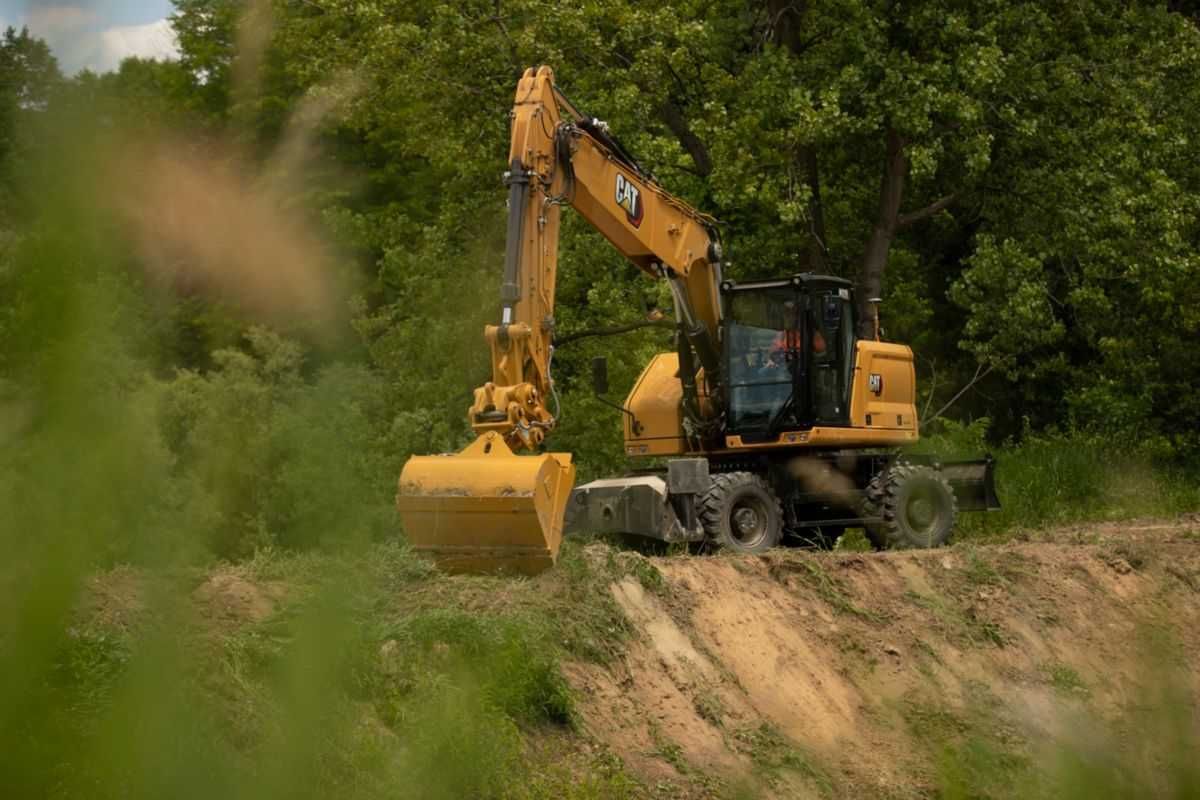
{"type": "Point", "coordinates": [95, 34]}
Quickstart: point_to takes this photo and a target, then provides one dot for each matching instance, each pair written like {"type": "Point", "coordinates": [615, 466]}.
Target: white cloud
{"type": "Point", "coordinates": [152, 40]}
{"type": "Point", "coordinates": [79, 40]}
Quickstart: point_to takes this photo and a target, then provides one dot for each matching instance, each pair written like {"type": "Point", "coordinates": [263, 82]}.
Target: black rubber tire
{"type": "Point", "coordinates": [917, 505]}
{"type": "Point", "coordinates": [740, 513]}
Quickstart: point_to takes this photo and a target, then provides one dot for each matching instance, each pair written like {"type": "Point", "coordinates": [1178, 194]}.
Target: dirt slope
{"type": "Point", "coordinates": [854, 675]}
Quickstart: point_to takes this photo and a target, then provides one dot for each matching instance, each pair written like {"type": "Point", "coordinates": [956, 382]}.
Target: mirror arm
{"type": "Point", "coordinates": [635, 424]}
{"type": "Point", "coordinates": [600, 385]}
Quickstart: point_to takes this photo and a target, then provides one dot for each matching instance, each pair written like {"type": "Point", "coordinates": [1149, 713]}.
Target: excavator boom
{"type": "Point", "coordinates": [487, 508]}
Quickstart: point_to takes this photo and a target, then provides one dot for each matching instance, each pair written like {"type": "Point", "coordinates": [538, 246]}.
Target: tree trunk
{"type": "Point", "coordinates": [786, 26]}
{"type": "Point", "coordinates": [673, 116]}
{"type": "Point", "coordinates": [891, 193]}
{"type": "Point", "coordinates": [787, 17]}
{"type": "Point", "coordinates": [817, 248]}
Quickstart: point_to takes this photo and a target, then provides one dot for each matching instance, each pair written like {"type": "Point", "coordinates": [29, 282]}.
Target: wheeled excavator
{"type": "Point", "coordinates": [771, 416]}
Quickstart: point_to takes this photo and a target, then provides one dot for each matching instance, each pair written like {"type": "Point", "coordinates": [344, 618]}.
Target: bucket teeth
{"type": "Point", "coordinates": [485, 509]}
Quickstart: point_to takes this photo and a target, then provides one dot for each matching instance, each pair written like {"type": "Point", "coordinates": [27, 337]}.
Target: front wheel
{"type": "Point", "coordinates": [741, 513]}
{"type": "Point", "coordinates": [917, 507]}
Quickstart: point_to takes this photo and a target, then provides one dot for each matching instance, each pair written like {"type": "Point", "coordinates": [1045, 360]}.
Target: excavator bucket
{"type": "Point", "coordinates": [485, 509]}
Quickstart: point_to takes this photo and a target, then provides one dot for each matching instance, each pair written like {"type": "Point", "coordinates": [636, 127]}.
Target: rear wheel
{"type": "Point", "coordinates": [741, 513]}
{"type": "Point", "coordinates": [917, 507]}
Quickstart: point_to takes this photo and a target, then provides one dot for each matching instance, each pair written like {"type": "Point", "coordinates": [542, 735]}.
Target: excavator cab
{"type": "Point", "coordinates": [789, 354]}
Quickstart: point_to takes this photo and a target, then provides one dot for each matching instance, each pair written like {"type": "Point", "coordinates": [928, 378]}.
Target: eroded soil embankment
{"type": "Point", "coordinates": [849, 674]}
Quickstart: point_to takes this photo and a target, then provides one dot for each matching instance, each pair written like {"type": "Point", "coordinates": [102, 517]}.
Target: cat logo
{"type": "Point", "coordinates": [629, 197]}
{"type": "Point", "coordinates": [875, 383]}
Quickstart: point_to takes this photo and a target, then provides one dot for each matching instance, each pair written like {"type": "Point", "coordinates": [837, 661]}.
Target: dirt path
{"type": "Point", "coordinates": [853, 675]}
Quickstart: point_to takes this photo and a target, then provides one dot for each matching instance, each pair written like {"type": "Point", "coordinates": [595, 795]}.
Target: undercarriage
{"type": "Point", "coordinates": [753, 503]}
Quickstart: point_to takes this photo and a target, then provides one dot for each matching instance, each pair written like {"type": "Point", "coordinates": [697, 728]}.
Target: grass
{"type": "Point", "coordinates": [773, 753]}
{"type": "Point", "coordinates": [1136, 554]}
{"type": "Point", "coordinates": [1064, 478]}
{"type": "Point", "coordinates": [373, 672]}
{"type": "Point", "coordinates": [669, 751]}
{"type": "Point", "coordinates": [1065, 679]}
{"type": "Point", "coordinates": [960, 622]}
{"type": "Point", "coordinates": [709, 706]}
{"type": "Point", "coordinates": [854, 540]}
{"type": "Point", "coordinates": [978, 755]}
{"type": "Point", "coordinates": [831, 590]}
{"type": "Point", "coordinates": [89, 667]}
{"type": "Point", "coordinates": [370, 674]}
{"type": "Point", "coordinates": [982, 753]}
{"type": "Point", "coordinates": [978, 571]}
{"type": "Point", "coordinates": [983, 748]}
{"type": "Point", "coordinates": [510, 660]}
{"type": "Point", "coordinates": [858, 653]}
{"type": "Point", "coordinates": [592, 625]}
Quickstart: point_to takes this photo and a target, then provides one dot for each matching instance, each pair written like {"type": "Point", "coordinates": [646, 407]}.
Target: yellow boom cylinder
{"type": "Point", "coordinates": [485, 509]}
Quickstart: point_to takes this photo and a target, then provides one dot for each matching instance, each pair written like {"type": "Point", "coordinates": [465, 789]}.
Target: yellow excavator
{"type": "Point", "coordinates": [770, 417]}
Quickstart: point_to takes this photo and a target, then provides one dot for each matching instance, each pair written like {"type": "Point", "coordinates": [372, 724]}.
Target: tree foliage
{"type": "Point", "coordinates": [1013, 177]}
{"type": "Point", "coordinates": [29, 76]}
{"type": "Point", "coordinates": [1016, 180]}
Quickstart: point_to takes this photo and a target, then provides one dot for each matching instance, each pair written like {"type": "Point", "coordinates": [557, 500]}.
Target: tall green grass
{"type": "Point", "coordinates": [1059, 478]}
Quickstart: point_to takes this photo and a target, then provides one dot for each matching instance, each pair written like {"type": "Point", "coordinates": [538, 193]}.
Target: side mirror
{"type": "Point", "coordinates": [600, 375]}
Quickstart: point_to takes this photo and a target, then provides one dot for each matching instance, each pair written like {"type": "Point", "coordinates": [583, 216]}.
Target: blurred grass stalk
{"type": "Point", "coordinates": [86, 479]}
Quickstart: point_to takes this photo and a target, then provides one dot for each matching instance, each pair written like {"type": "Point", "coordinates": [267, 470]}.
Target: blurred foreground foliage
{"type": "Point", "coordinates": [158, 413]}
{"type": "Point", "coordinates": [361, 675]}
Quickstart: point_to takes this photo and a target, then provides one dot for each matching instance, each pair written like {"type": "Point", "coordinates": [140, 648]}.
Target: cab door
{"type": "Point", "coordinates": [830, 356]}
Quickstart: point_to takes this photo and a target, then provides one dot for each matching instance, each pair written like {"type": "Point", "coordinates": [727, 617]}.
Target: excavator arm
{"type": "Point", "coordinates": [485, 508]}
{"type": "Point", "coordinates": [555, 162]}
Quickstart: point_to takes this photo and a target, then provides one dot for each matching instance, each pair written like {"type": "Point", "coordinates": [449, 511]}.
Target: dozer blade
{"type": "Point", "coordinates": [485, 509]}
{"type": "Point", "coordinates": [973, 483]}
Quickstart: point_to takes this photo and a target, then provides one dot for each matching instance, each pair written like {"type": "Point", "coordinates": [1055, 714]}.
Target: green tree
{"type": "Point", "coordinates": [29, 76]}
{"type": "Point", "coordinates": [1010, 177]}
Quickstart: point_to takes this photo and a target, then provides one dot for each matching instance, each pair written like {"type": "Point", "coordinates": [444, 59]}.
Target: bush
{"type": "Point", "coordinates": [510, 661]}
{"type": "Point", "coordinates": [286, 461]}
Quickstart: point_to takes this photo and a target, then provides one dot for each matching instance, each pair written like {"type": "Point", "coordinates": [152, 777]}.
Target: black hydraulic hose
{"type": "Point", "coordinates": [562, 157]}
{"type": "Point", "coordinates": [593, 128]}
{"type": "Point", "coordinates": [687, 374]}
{"type": "Point", "coordinates": [518, 195]}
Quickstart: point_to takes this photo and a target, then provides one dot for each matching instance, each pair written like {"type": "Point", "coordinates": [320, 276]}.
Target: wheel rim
{"type": "Point", "coordinates": [748, 521]}
{"type": "Point", "coordinates": [921, 512]}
